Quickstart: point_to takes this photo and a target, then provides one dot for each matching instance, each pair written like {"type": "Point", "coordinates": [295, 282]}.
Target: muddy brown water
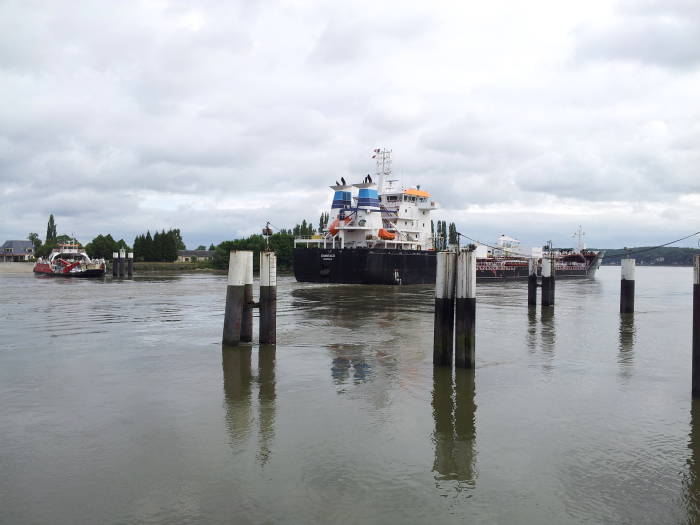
{"type": "Point", "coordinates": [119, 405]}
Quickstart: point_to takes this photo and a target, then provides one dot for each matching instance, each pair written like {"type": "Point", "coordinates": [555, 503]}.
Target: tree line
{"type": "Point", "coordinates": [666, 256]}
{"type": "Point", "coordinates": [444, 235]}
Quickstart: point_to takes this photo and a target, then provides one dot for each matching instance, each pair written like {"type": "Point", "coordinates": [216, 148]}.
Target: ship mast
{"type": "Point", "coordinates": [383, 173]}
{"type": "Point", "coordinates": [579, 235]}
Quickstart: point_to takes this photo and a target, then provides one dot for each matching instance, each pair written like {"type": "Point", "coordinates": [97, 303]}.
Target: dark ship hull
{"type": "Point", "coordinates": [386, 266]}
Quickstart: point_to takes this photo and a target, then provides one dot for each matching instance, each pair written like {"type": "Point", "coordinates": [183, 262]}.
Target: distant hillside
{"type": "Point", "coordinates": [667, 256]}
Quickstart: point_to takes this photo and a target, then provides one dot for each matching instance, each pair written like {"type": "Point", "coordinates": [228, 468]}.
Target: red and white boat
{"type": "Point", "coordinates": [70, 260]}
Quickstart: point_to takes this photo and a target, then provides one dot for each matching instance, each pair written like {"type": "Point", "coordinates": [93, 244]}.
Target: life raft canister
{"type": "Point", "coordinates": [386, 235]}
{"type": "Point", "coordinates": [333, 228]}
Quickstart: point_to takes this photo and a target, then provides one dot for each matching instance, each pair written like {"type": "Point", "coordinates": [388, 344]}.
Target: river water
{"type": "Point", "coordinates": [119, 405]}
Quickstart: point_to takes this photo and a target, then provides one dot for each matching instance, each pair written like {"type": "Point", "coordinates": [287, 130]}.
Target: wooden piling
{"type": "Point", "coordinates": [443, 334]}
{"type": "Point", "coordinates": [547, 281]}
{"type": "Point", "coordinates": [130, 264]}
{"type": "Point", "coordinates": [247, 313]}
{"type": "Point", "coordinates": [627, 286]}
{"type": "Point", "coordinates": [465, 316]}
{"type": "Point", "coordinates": [532, 282]}
{"type": "Point", "coordinates": [696, 326]}
{"type": "Point", "coordinates": [115, 264]}
{"type": "Point", "coordinates": [235, 291]}
{"type": "Point", "coordinates": [268, 298]}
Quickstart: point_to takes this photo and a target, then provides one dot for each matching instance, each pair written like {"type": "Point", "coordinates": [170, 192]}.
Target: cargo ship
{"type": "Point", "coordinates": [69, 260]}
{"type": "Point", "coordinates": [380, 233]}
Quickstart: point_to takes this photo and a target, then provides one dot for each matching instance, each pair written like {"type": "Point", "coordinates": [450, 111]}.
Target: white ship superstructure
{"type": "Point", "coordinates": [377, 213]}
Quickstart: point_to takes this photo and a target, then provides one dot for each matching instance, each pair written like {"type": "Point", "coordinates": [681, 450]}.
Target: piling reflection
{"type": "Point", "coordinates": [454, 436]}
{"type": "Point", "coordinates": [238, 386]}
{"type": "Point", "coordinates": [237, 389]}
{"type": "Point", "coordinates": [627, 337]}
{"type": "Point", "coordinates": [532, 329]}
{"type": "Point", "coordinates": [266, 400]}
{"type": "Point", "coordinates": [692, 480]}
{"type": "Point", "coordinates": [548, 337]}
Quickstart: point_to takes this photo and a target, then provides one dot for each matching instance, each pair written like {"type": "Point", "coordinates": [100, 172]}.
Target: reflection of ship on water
{"type": "Point", "coordinates": [454, 437]}
{"type": "Point", "coordinates": [238, 386]}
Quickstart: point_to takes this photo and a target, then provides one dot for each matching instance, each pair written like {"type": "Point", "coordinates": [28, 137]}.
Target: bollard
{"type": "Point", "coordinates": [627, 286]}
{"type": "Point", "coordinates": [233, 314]}
{"type": "Point", "coordinates": [532, 282]}
{"type": "Point", "coordinates": [115, 264]}
{"type": "Point", "coordinates": [247, 314]}
{"type": "Point", "coordinates": [130, 264]}
{"type": "Point", "coordinates": [122, 262]}
{"type": "Point", "coordinates": [696, 326]}
{"type": "Point", "coordinates": [548, 282]}
{"type": "Point", "coordinates": [444, 308]}
{"type": "Point", "coordinates": [268, 298]}
{"type": "Point", "coordinates": [465, 318]}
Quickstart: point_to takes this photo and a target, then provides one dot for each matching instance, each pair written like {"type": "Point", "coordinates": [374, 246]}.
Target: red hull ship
{"type": "Point", "coordinates": [69, 260]}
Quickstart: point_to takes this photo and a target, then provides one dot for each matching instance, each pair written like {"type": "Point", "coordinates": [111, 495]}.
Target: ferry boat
{"type": "Point", "coordinates": [70, 260]}
{"type": "Point", "coordinates": [380, 233]}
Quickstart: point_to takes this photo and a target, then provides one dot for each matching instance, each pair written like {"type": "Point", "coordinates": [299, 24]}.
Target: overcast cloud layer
{"type": "Point", "coordinates": [526, 118]}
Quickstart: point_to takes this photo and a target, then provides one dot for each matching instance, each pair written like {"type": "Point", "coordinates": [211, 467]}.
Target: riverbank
{"type": "Point", "coordinates": [16, 267]}
{"type": "Point", "coordinates": [164, 267]}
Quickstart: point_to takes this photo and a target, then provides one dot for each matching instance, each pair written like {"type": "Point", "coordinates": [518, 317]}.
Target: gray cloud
{"type": "Point", "coordinates": [660, 33]}
{"type": "Point", "coordinates": [214, 117]}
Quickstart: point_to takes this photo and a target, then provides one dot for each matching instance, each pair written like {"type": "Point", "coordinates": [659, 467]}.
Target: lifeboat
{"type": "Point", "coordinates": [333, 228]}
{"type": "Point", "coordinates": [386, 235]}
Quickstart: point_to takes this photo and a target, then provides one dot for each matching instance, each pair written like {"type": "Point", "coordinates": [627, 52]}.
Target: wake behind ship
{"type": "Point", "coordinates": [380, 233]}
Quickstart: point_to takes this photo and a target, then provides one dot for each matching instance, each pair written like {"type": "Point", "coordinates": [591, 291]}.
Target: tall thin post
{"type": "Point", "coordinates": [268, 298]}
{"type": "Point", "coordinates": [465, 318]}
{"type": "Point", "coordinates": [234, 297]}
{"type": "Point", "coordinates": [532, 282]}
{"type": "Point", "coordinates": [548, 281]}
{"type": "Point", "coordinates": [696, 327]}
{"type": "Point", "coordinates": [444, 308]}
{"type": "Point", "coordinates": [122, 262]}
{"type": "Point", "coordinates": [247, 315]}
{"type": "Point", "coordinates": [130, 264]}
{"type": "Point", "coordinates": [627, 286]}
{"type": "Point", "coordinates": [115, 264]}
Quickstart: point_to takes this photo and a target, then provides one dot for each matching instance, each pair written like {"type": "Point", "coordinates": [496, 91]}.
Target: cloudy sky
{"type": "Point", "coordinates": [526, 118]}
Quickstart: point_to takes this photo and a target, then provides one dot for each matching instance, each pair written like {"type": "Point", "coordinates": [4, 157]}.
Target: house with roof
{"type": "Point", "coordinates": [17, 251]}
{"type": "Point", "coordinates": [194, 255]}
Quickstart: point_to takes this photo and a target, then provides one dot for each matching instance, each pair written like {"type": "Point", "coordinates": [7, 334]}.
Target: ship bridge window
{"type": "Point", "coordinates": [391, 198]}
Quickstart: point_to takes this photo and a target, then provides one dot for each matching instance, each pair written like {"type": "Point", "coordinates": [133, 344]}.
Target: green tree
{"type": "Point", "coordinates": [148, 251]}
{"type": "Point", "coordinates": [51, 231]}
{"type": "Point", "coordinates": [179, 244]}
{"type": "Point", "coordinates": [201, 247]}
{"type": "Point", "coordinates": [452, 235]}
{"type": "Point", "coordinates": [36, 241]}
{"type": "Point", "coordinates": [212, 247]}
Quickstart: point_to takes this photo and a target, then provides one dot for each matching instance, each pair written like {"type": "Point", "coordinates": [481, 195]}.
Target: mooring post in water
{"type": "Point", "coordinates": [130, 264]}
{"type": "Point", "coordinates": [547, 281]}
{"type": "Point", "coordinates": [532, 282]}
{"type": "Point", "coordinates": [122, 262]}
{"type": "Point", "coordinates": [696, 326]}
{"type": "Point", "coordinates": [235, 292]}
{"type": "Point", "coordinates": [627, 286]}
{"type": "Point", "coordinates": [443, 335]}
{"type": "Point", "coordinates": [247, 313]}
{"type": "Point", "coordinates": [465, 317]}
{"type": "Point", "coordinates": [268, 298]}
{"type": "Point", "coordinates": [115, 264]}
